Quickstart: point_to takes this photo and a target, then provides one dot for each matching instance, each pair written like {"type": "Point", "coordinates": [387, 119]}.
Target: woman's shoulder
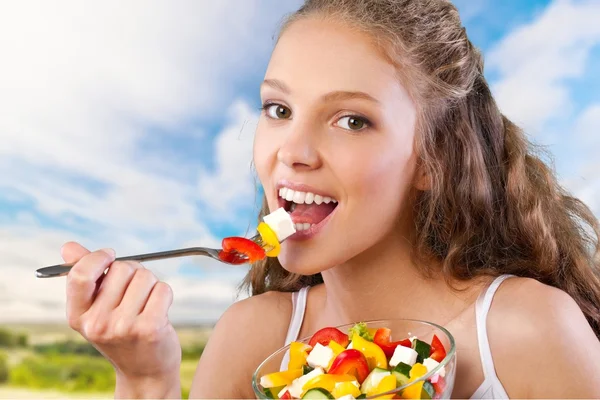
{"type": "Point", "coordinates": [273, 301]}
{"type": "Point", "coordinates": [264, 314]}
{"type": "Point", "coordinates": [246, 334]}
{"type": "Point", "coordinates": [538, 333]}
{"type": "Point", "coordinates": [532, 306]}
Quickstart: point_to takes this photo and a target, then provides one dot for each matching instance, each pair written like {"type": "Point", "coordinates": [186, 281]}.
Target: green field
{"type": "Point", "coordinates": [52, 361]}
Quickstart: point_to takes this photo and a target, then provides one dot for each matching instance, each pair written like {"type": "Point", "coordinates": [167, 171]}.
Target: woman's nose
{"type": "Point", "coordinates": [298, 151]}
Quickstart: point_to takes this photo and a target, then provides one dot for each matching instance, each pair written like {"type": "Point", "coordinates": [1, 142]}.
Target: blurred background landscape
{"type": "Point", "coordinates": [130, 124]}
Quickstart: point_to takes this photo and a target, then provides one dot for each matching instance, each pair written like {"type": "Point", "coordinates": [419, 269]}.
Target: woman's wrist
{"type": "Point", "coordinates": [167, 386]}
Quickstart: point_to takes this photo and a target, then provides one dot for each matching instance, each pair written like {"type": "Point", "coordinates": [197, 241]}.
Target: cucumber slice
{"type": "Point", "coordinates": [362, 396]}
{"type": "Point", "coordinates": [317, 393]}
{"type": "Point", "coordinates": [402, 373]}
{"type": "Point", "coordinates": [428, 390]}
{"type": "Point", "coordinates": [423, 349]}
{"type": "Point", "coordinates": [306, 369]}
{"type": "Point", "coordinates": [370, 383]}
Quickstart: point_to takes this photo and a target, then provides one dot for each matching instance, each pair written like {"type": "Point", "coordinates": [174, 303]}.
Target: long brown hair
{"type": "Point", "coordinates": [494, 207]}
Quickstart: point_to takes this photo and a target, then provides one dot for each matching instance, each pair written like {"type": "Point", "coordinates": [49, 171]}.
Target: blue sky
{"type": "Point", "coordinates": [129, 125]}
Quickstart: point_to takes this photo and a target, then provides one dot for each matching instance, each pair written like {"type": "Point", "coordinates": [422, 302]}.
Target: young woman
{"type": "Point", "coordinates": [438, 206]}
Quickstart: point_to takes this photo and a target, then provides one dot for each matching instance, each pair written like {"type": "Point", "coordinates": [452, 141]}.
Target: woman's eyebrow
{"type": "Point", "coordinates": [337, 95]}
{"type": "Point", "coordinates": [276, 84]}
{"type": "Point", "coordinates": [340, 95]}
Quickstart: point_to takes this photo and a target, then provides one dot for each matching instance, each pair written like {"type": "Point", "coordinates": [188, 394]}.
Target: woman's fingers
{"type": "Point", "coordinates": [81, 281]}
{"type": "Point", "coordinates": [72, 252]}
{"type": "Point", "coordinates": [114, 285]}
{"type": "Point", "coordinates": [159, 302]}
{"type": "Point", "coordinates": [138, 293]}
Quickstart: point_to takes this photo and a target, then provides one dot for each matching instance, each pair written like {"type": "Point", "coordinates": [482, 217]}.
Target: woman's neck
{"type": "Point", "coordinates": [385, 283]}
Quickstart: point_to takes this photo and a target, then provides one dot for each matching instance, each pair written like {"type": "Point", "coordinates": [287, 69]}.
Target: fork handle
{"type": "Point", "coordinates": [63, 269]}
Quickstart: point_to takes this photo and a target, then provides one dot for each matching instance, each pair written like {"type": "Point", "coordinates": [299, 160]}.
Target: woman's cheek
{"type": "Point", "coordinates": [383, 179]}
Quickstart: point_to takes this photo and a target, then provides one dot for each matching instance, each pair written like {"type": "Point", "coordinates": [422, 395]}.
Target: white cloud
{"type": "Point", "coordinates": [585, 182]}
{"type": "Point", "coordinates": [83, 82]}
{"type": "Point", "coordinates": [83, 86]}
{"type": "Point", "coordinates": [232, 183]}
{"type": "Point", "coordinates": [535, 61]}
{"type": "Point", "coordinates": [537, 64]}
{"type": "Point", "coordinates": [587, 127]}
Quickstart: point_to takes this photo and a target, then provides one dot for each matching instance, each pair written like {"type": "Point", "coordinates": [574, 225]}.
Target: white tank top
{"type": "Point", "coordinates": [490, 388]}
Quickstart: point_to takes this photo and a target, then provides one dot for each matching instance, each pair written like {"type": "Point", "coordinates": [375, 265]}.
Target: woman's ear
{"type": "Point", "coordinates": [422, 180]}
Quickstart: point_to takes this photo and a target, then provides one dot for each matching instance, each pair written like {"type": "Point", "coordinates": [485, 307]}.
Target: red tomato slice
{"type": "Point", "coordinates": [232, 258]}
{"type": "Point", "coordinates": [325, 335]}
{"type": "Point", "coordinates": [245, 246]}
{"type": "Point", "coordinates": [351, 362]}
{"type": "Point", "coordinates": [382, 339]}
{"type": "Point", "coordinates": [438, 353]}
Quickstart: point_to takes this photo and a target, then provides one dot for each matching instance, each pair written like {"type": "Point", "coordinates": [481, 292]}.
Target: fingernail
{"type": "Point", "coordinates": [110, 252]}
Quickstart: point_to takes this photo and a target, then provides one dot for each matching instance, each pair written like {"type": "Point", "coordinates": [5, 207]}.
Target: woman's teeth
{"type": "Point", "coordinates": [304, 197]}
{"type": "Point", "coordinates": [303, 226]}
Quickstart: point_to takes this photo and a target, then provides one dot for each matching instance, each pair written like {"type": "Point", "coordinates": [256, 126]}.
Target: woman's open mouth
{"type": "Point", "coordinates": [309, 211]}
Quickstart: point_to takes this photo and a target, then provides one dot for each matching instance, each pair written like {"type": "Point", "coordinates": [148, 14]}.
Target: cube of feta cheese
{"type": "Point", "coordinates": [295, 387]}
{"type": "Point", "coordinates": [431, 364]}
{"type": "Point", "coordinates": [320, 356]}
{"type": "Point", "coordinates": [305, 378]}
{"type": "Point", "coordinates": [346, 397]}
{"type": "Point", "coordinates": [405, 355]}
{"type": "Point", "coordinates": [378, 376]}
{"type": "Point", "coordinates": [281, 223]}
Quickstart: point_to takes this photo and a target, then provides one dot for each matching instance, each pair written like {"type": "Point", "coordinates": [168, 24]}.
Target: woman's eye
{"type": "Point", "coordinates": [352, 123]}
{"type": "Point", "coordinates": [277, 111]}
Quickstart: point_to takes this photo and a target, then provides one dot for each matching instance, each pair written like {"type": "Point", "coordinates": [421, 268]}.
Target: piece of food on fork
{"type": "Point", "coordinates": [274, 229]}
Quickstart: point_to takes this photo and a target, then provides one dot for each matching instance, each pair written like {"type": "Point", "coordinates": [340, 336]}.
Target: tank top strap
{"type": "Point", "coordinates": [298, 309]}
{"type": "Point", "coordinates": [483, 305]}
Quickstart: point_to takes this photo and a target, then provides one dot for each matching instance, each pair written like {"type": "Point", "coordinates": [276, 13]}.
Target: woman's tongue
{"type": "Point", "coordinates": [311, 213]}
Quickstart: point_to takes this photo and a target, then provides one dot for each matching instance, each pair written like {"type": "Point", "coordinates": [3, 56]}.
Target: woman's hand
{"type": "Point", "coordinates": [124, 314]}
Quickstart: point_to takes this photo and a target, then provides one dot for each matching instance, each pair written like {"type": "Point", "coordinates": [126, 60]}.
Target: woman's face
{"type": "Point", "coordinates": [337, 124]}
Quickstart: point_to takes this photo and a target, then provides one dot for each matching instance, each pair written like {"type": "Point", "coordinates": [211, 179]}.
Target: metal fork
{"type": "Point", "coordinates": [63, 269]}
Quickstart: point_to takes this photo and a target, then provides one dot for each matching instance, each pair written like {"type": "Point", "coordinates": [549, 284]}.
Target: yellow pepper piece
{"type": "Point", "coordinates": [326, 381]}
{"type": "Point", "coordinates": [270, 238]}
{"type": "Point", "coordinates": [385, 385]}
{"type": "Point", "coordinates": [282, 378]}
{"type": "Point", "coordinates": [337, 349]}
{"type": "Point", "coordinates": [298, 355]}
{"type": "Point", "coordinates": [373, 353]}
{"type": "Point", "coordinates": [418, 370]}
{"type": "Point", "coordinates": [344, 389]}
{"type": "Point", "coordinates": [414, 391]}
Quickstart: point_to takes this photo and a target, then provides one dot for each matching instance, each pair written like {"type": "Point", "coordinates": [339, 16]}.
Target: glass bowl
{"type": "Point", "coordinates": [400, 329]}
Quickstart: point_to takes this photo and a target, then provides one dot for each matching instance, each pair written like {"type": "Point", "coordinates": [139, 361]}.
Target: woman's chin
{"type": "Point", "coordinates": [307, 265]}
